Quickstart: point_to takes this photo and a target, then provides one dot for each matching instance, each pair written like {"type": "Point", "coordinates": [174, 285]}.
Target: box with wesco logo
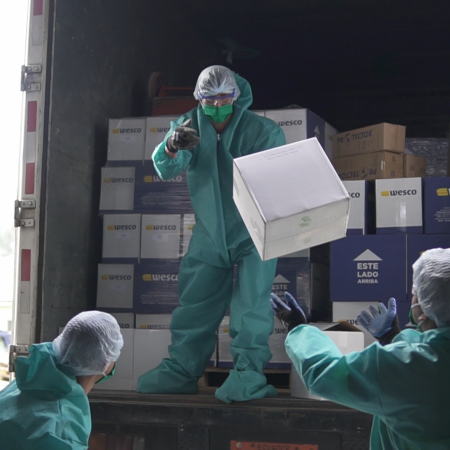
{"type": "Point", "coordinates": [299, 124]}
{"type": "Point", "coordinates": [399, 206]}
{"type": "Point", "coordinates": [156, 287]}
{"type": "Point", "coordinates": [115, 284]}
{"type": "Point", "coordinates": [155, 133]}
{"type": "Point", "coordinates": [374, 138]}
{"type": "Point", "coordinates": [160, 236]}
{"type": "Point", "coordinates": [157, 196]}
{"type": "Point", "coordinates": [121, 238]}
{"type": "Point", "coordinates": [126, 141]}
{"type": "Point", "coordinates": [117, 189]}
{"type": "Point", "coordinates": [437, 205]}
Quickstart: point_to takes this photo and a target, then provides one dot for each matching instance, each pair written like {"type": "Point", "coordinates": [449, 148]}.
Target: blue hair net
{"type": "Point", "coordinates": [216, 80]}
{"type": "Point", "coordinates": [89, 343]}
{"type": "Point", "coordinates": [431, 278]}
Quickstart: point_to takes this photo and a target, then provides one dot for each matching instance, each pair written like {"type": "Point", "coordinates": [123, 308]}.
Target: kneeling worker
{"type": "Point", "coordinates": [46, 407]}
{"type": "Point", "coordinates": [404, 384]}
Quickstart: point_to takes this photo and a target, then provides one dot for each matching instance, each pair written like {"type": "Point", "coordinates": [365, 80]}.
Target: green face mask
{"type": "Point", "coordinates": [106, 377]}
{"type": "Point", "coordinates": [218, 114]}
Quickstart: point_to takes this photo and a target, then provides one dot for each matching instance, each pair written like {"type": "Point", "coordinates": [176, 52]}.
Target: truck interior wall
{"type": "Point", "coordinates": [353, 63]}
{"type": "Point", "coordinates": [103, 53]}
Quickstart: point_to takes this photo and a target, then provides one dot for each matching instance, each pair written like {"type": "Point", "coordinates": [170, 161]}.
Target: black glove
{"type": "Point", "coordinates": [183, 138]}
{"type": "Point", "coordinates": [290, 314]}
{"type": "Point", "coordinates": [390, 335]}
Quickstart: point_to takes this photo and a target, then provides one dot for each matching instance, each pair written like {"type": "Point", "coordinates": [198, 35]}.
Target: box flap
{"type": "Point", "coordinates": [342, 325]}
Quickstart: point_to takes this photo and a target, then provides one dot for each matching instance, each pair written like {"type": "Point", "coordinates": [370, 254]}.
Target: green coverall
{"type": "Point", "coordinates": [44, 408]}
{"type": "Point", "coordinates": [403, 384]}
{"type": "Point", "coordinates": [219, 241]}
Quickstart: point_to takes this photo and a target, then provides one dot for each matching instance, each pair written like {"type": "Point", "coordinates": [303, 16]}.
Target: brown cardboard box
{"type": "Point", "coordinates": [371, 166]}
{"type": "Point", "coordinates": [414, 166]}
{"type": "Point", "coordinates": [383, 136]}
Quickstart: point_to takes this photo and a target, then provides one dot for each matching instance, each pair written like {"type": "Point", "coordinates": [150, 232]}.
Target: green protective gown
{"type": "Point", "coordinates": [44, 408]}
{"type": "Point", "coordinates": [220, 240]}
{"type": "Point", "coordinates": [403, 384]}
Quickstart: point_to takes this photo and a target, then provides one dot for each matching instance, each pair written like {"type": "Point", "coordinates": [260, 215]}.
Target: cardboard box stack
{"type": "Point", "coordinates": [397, 212]}
{"type": "Point", "coordinates": [147, 225]}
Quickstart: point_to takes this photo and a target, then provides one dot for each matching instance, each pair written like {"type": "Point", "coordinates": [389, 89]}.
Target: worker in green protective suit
{"type": "Point", "coordinates": [205, 141]}
{"type": "Point", "coordinates": [46, 407]}
{"type": "Point", "coordinates": [404, 384]}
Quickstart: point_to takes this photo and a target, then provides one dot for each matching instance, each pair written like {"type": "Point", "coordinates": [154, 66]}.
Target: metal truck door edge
{"type": "Point", "coordinates": [28, 203]}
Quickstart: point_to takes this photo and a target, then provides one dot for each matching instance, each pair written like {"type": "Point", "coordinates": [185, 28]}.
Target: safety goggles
{"type": "Point", "coordinates": [217, 100]}
{"type": "Point", "coordinates": [106, 377]}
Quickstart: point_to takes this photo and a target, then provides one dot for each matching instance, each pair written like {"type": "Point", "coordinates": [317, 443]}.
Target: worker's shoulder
{"type": "Point", "coordinates": [263, 122]}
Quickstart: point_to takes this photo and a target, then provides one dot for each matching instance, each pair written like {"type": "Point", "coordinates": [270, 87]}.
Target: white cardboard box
{"type": "Point", "coordinates": [115, 286]}
{"type": "Point", "coordinates": [150, 348]}
{"type": "Point", "coordinates": [347, 338]}
{"type": "Point", "coordinates": [161, 322]}
{"type": "Point", "coordinates": [160, 236]}
{"type": "Point", "coordinates": [349, 311]}
{"type": "Point", "coordinates": [126, 140]}
{"type": "Point", "coordinates": [156, 130]}
{"type": "Point", "coordinates": [153, 321]}
{"type": "Point", "coordinates": [123, 376]}
{"type": "Point", "coordinates": [121, 238]}
{"type": "Point", "coordinates": [125, 320]}
{"type": "Point", "coordinates": [117, 189]}
{"type": "Point", "coordinates": [290, 198]}
{"type": "Point", "coordinates": [361, 219]}
{"type": "Point", "coordinates": [399, 205]}
{"type": "Point", "coordinates": [298, 124]}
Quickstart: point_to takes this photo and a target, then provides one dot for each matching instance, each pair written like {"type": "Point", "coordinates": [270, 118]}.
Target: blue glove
{"type": "Point", "coordinates": [382, 321]}
{"type": "Point", "coordinates": [289, 313]}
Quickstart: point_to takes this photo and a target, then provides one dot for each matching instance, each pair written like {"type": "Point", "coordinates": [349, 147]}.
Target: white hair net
{"type": "Point", "coordinates": [216, 80]}
{"type": "Point", "coordinates": [89, 343]}
{"type": "Point", "coordinates": [431, 278]}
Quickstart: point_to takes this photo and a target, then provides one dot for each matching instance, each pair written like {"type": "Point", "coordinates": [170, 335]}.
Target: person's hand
{"type": "Point", "coordinates": [289, 313]}
{"type": "Point", "coordinates": [183, 138]}
{"type": "Point", "coordinates": [383, 323]}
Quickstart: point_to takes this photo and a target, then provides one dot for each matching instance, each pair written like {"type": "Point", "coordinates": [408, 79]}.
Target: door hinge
{"type": "Point", "coordinates": [19, 220]}
{"type": "Point", "coordinates": [14, 352]}
{"type": "Point", "coordinates": [28, 81]}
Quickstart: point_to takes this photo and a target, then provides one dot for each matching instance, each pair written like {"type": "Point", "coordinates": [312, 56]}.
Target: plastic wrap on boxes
{"type": "Point", "coordinates": [154, 195]}
{"type": "Point", "coordinates": [156, 287]}
{"type": "Point", "coordinates": [434, 149]}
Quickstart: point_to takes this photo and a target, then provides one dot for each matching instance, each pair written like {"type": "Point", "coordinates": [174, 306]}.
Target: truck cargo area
{"type": "Point", "coordinates": [352, 63]}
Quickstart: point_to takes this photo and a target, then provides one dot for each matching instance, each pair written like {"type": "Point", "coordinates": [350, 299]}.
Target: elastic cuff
{"type": "Point", "coordinates": [171, 151]}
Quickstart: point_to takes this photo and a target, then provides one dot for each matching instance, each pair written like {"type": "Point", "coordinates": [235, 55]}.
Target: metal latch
{"type": "Point", "coordinates": [28, 82]}
{"type": "Point", "coordinates": [14, 352]}
{"type": "Point", "coordinates": [23, 222]}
